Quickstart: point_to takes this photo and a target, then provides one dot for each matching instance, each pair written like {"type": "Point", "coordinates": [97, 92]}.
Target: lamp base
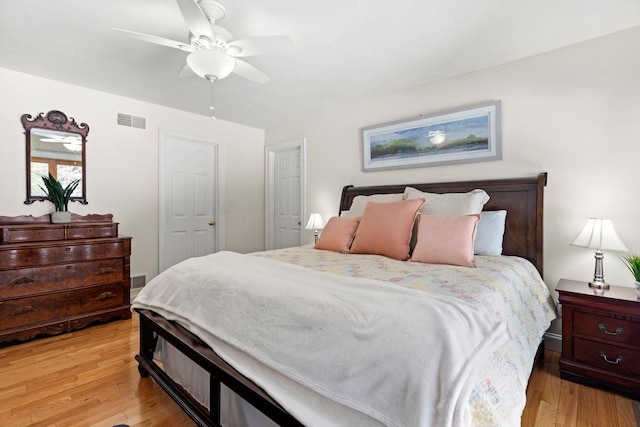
{"type": "Point", "coordinates": [598, 274]}
{"type": "Point", "coordinates": [598, 285]}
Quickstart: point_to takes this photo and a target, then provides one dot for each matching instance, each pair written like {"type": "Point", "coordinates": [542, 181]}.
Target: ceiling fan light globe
{"type": "Point", "coordinates": [211, 63]}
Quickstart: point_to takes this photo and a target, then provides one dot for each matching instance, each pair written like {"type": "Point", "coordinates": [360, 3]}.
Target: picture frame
{"type": "Point", "coordinates": [464, 135]}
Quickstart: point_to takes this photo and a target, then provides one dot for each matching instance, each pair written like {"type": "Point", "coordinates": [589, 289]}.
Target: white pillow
{"type": "Point", "coordinates": [490, 233]}
{"type": "Point", "coordinates": [360, 202]}
{"type": "Point", "coordinates": [450, 204]}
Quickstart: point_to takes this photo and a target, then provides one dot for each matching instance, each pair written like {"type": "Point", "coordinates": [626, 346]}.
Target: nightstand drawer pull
{"type": "Point", "coordinates": [613, 362]}
{"type": "Point", "coordinates": [604, 329]}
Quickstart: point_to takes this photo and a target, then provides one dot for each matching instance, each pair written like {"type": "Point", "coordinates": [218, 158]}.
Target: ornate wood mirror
{"type": "Point", "coordinates": [55, 144]}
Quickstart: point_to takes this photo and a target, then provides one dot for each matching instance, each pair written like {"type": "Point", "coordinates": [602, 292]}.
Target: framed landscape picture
{"type": "Point", "coordinates": [471, 134]}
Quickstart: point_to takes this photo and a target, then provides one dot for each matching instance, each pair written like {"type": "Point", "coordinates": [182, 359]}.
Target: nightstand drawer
{"type": "Point", "coordinates": [606, 327]}
{"type": "Point", "coordinates": [607, 357]}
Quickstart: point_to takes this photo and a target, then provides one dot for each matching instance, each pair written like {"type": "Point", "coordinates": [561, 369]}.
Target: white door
{"type": "Point", "coordinates": [189, 198]}
{"type": "Point", "coordinates": [285, 203]}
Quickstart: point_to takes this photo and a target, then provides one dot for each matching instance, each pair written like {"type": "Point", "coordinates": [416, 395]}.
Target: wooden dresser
{"type": "Point", "coordinates": [600, 336]}
{"type": "Point", "coordinates": [55, 278]}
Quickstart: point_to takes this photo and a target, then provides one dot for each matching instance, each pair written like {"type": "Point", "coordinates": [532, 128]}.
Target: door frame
{"type": "Point", "coordinates": [218, 147]}
{"type": "Point", "coordinates": [270, 202]}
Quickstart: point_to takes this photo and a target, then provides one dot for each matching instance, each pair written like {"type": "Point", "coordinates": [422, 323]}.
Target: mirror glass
{"type": "Point", "coordinates": [59, 153]}
{"type": "Point", "coordinates": [55, 145]}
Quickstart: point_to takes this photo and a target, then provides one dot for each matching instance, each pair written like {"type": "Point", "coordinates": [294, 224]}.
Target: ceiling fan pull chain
{"type": "Point", "coordinates": [212, 107]}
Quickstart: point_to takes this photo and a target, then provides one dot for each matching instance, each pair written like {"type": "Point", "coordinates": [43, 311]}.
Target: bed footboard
{"type": "Point", "coordinates": [153, 326]}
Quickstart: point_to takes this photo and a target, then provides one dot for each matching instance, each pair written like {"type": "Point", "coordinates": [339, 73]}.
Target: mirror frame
{"type": "Point", "coordinates": [55, 120]}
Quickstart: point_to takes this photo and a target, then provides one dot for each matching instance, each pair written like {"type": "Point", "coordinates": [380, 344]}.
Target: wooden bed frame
{"type": "Point", "coordinates": [521, 197]}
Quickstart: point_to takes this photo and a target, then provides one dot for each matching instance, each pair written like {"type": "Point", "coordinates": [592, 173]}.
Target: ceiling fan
{"type": "Point", "coordinates": [213, 55]}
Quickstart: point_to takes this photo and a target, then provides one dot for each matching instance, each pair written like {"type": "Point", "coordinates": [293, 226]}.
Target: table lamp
{"type": "Point", "coordinates": [599, 234]}
{"type": "Point", "coordinates": [315, 223]}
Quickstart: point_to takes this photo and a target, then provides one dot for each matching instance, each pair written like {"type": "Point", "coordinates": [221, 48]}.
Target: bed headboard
{"type": "Point", "coordinates": [522, 198]}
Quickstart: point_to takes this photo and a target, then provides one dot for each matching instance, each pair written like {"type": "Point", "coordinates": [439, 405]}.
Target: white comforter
{"type": "Point", "coordinates": [332, 349]}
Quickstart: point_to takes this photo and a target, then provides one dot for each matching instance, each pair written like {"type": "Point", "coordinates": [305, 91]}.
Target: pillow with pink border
{"type": "Point", "coordinates": [338, 234]}
{"type": "Point", "coordinates": [445, 239]}
{"type": "Point", "coordinates": [385, 229]}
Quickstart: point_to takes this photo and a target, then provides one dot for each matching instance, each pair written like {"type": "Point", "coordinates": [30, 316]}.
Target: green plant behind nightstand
{"type": "Point", "coordinates": [58, 194]}
{"type": "Point", "coordinates": [632, 261]}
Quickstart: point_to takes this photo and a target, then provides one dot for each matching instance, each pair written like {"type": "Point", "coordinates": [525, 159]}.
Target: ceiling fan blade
{"type": "Point", "coordinates": [249, 72]}
{"type": "Point", "coordinates": [195, 19]}
{"type": "Point", "coordinates": [157, 40]}
{"type": "Point", "coordinates": [186, 71]}
{"type": "Point", "coordinates": [259, 45]}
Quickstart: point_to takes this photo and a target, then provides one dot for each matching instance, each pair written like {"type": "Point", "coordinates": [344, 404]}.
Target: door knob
{"type": "Point", "coordinates": [299, 222]}
{"type": "Point", "coordinates": [212, 222]}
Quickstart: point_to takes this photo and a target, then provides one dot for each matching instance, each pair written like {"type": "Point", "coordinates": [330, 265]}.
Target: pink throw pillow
{"type": "Point", "coordinates": [338, 234]}
{"type": "Point", "coordinates": [385, 229]}
{"type": "Point", "coordinates": [446, 239]}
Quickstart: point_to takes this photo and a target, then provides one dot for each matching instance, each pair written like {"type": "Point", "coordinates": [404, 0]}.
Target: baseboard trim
{"type": "Point", "coordinates": [553, 341]}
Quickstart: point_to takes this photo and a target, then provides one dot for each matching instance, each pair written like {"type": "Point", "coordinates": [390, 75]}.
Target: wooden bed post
{"type": "Point", "coordinates": [214, 399]}
{"type": "Point", "coordinates": [147, 345]}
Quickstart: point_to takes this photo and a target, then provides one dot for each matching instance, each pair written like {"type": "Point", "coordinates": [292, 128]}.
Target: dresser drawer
{"type": "Point", "coordinates": [36, 256]}
{"type": "Point", "coordinates": [91, 231]}
{"type": "Point", "coordinates": [51, 232]}
{"type": "Point", "coordinates": [618, 359]}
{"type": "Point", "coordinates": [20, 312]}
{"type": "Point", "coordinates": [31, 234]}
{"type": "Point", "coordinates": [606, 327]}
{"type": "Point", "coordinates": [35, 280]}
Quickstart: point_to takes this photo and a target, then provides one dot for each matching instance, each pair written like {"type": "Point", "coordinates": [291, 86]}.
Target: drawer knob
{"type": "Point", "coordinates": [604, 329]}
{"type": "Point", "coordinates": [613, 362]}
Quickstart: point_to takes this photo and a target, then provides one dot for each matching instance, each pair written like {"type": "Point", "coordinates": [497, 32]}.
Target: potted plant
{"type": "Point", "coordinates": [59, 196]}
{"type": "Point", "coordinates": [632, 261]}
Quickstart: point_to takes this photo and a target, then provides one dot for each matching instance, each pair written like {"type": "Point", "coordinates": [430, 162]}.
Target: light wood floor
{"type": "Point", "coordinates": [89, 378]}
{"type": "Point", "coordinates": [552, 401]}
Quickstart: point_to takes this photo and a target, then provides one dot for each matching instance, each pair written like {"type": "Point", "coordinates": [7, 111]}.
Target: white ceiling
{"type": "Point", "coordinates": [346, 51]}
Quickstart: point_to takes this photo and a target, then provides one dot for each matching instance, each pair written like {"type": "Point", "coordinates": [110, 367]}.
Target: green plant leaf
{"type": "Point", "coordinates": [632, 261]}
{"type": "Point", "coordinates": [58, 194]}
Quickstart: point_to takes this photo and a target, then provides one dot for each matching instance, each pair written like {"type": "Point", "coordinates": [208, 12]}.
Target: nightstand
{"type": "Point", "coordinates": [600, 336]}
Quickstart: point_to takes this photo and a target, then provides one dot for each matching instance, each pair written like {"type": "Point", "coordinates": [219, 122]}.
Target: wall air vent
{"type": "Point", "coordinates": [138, 281]}
{"type": "Point", "coordinates": [132, 121]}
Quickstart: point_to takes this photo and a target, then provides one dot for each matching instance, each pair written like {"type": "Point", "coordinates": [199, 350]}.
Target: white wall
{"type": "Point", "coordinates": [574, 113]}
{"type": "Point", "coordinates": [122, 163]}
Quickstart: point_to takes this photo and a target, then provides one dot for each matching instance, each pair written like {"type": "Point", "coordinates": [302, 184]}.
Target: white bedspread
{"type": "Point", "coordinates": [400, 356]}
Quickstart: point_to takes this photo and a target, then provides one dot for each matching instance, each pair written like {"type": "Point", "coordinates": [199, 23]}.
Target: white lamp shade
{"type": "Point", "coordinates": [599, 234]}
{"type": "Point", "coordinates": [315, 222]}
{"type": "Point", "coordinates": [206, 63]}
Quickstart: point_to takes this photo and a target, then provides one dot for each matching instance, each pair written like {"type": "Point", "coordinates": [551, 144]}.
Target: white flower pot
{"type": "Point", "coordinates": [638, 289]}
{"type": "Point", "coordinates": [62, 217]}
